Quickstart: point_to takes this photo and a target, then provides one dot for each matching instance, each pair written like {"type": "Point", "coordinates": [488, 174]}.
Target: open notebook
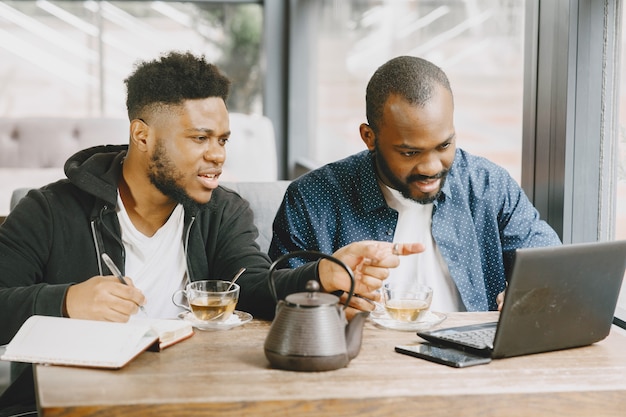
{"type": "Point", "coordinates": [100, 344]}
{"type": "Point", "coordinates": [558, 297]}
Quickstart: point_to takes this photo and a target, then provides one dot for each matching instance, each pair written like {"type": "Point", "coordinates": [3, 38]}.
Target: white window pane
{"type": "Point", "coordinates": [479, 44]}
{"type": "Point", "coordinates": [69, 58]}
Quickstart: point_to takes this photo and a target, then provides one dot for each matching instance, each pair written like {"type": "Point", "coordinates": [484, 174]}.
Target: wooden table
{"type": "Point", "coordinates": [226, 374]}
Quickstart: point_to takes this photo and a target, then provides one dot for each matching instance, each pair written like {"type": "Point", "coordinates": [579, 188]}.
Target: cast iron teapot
{"type": "Point", "coordinates": [310, 331]}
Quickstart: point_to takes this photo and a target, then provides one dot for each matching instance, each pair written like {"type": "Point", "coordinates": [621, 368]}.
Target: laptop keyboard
{"type": "Point", "coordinates": [479, 339]}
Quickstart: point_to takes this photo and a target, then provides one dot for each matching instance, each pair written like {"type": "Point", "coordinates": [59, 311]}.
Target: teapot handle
{"type": "Point", "coordinates": [316, 255]}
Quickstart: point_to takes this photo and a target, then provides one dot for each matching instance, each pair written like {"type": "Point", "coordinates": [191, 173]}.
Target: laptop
{"type": "Point", "coordinates": [558, 297]}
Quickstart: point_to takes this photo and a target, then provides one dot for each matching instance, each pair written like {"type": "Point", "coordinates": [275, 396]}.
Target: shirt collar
{"type": "Point", "coordinates": [370, 195]}
{"type": "Point", "coordinates": [446, 190]}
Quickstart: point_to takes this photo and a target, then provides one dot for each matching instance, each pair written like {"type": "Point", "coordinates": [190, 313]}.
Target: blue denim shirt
{"type": "Point", "coordinates": [481, 217]}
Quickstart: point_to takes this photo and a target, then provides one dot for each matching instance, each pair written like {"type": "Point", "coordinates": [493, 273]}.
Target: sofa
{"type": "Point", "coordinates": [33, 150]}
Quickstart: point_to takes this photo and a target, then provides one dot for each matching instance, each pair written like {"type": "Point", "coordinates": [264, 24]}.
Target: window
{"type": "Point", "coordinates": [337, 45]}
{"type": "Point", "coordinates": [69, 58]}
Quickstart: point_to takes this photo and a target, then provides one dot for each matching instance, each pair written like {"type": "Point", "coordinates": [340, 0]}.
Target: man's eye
{"type": "Point", "coordinates": [223, 141]}
{"type": "Point", "coordinates": [409, 153]}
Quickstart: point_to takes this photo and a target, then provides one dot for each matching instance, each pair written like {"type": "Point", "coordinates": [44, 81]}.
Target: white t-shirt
{"type": "Point", "coordinates": [414, 225]}
{"type": "Point", "coordinates": [156, 264]}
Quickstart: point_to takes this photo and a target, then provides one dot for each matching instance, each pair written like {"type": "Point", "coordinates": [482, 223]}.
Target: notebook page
{"type": "Point", "coordinates": [57, 340]}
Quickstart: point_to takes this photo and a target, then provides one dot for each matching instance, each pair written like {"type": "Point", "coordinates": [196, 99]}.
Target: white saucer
{"type": "Point", "coordinates": [238, 318]}
{"type": "Point", "coordinates": [429, 320]}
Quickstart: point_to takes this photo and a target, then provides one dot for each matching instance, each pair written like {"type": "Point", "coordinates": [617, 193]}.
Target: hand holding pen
{"type": "Point", "coordinates": [116, 271]}
{"type": "Point", "coordinates": [103, 298]}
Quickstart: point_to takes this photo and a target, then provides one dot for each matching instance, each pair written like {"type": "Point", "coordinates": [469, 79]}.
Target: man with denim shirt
{"type": "Point", "coordinates": [413, 182]}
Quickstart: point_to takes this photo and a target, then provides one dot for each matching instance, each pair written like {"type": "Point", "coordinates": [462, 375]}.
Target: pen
{"type": "Point", "coordinates": [109, 262]}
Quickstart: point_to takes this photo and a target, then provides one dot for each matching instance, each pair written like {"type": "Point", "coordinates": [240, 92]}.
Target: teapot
{"type": "Point", "coordinates": [310, 331]}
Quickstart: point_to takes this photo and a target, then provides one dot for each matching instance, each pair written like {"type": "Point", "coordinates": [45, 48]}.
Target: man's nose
{"type": "Point", "coordinates": [429, 164]}
{"type": "Point", "coordinates": [215, 152]}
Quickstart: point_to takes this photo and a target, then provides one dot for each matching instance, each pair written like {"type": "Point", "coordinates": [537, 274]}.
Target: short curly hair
{"type": "Point", "coordinates": [172, 79]}
{"type": "Point", "coordinates": [410, 77]}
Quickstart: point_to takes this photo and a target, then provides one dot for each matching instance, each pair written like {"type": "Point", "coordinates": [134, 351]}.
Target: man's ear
{"type": "Point", "coordinates": [368, 136]}
{"type": "Point", "coordinates": [139, 134]}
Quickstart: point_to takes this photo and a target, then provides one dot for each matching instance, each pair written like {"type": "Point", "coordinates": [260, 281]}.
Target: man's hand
{"type": "Point", "coordinates": [370, 262]}
{"type": "Point", "coordinates": [500, 300]}
{"type": "Point", "coordinates": [103, 298]}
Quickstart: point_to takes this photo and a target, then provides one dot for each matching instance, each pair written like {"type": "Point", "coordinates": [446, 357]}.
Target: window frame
{"type": "Point", "coordinates": [572, 73]}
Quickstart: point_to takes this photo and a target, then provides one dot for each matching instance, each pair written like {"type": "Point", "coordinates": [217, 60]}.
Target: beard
{"type": "Point", "coordinates": [164, 176]}
{"type": "Point", "coordinates": [403, 185]}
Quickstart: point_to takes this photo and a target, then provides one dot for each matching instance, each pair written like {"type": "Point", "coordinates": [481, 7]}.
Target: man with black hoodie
{"type": "Point", "coordinates": [155, 207]}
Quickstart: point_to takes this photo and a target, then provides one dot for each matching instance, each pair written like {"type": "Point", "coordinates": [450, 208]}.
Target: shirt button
{"type": "Point", "coordinates": [389, 232]}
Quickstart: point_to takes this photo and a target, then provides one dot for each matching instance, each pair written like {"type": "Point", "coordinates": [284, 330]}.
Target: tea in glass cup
{"type": "Point", "coordinates": [209, 300]}
{"type": "Point", "coordinates": [408, 304]}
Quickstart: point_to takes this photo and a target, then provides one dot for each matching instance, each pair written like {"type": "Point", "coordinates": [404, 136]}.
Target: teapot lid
{"type": "Point", "coordinates": [312, 298]}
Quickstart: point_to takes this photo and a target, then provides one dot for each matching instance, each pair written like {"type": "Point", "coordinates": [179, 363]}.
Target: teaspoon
{"type": "Point", "coordinates": [241, 271]}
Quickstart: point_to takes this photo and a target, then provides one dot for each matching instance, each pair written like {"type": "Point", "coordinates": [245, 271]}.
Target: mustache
{"type": "Point", "coordinates": [418, 177]}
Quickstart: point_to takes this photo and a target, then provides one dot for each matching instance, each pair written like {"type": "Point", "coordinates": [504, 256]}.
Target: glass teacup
{"type": "Point", "coordinates": [208, 300]}
{"type": "Point", "coordinates": [407, 304]}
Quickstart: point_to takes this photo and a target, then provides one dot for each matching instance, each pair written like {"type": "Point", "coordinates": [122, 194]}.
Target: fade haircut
{"type": "Point", "coordinates": [170, 80]}
{"type": "Point", "coordinates": [412, 78]}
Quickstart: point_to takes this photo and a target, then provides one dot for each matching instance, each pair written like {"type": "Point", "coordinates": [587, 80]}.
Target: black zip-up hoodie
{"type": "Point", "coordinates": [55, 235]}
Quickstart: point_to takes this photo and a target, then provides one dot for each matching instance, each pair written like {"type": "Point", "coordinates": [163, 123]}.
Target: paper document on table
{"type": "Point", "coordinates": [65, 341]}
